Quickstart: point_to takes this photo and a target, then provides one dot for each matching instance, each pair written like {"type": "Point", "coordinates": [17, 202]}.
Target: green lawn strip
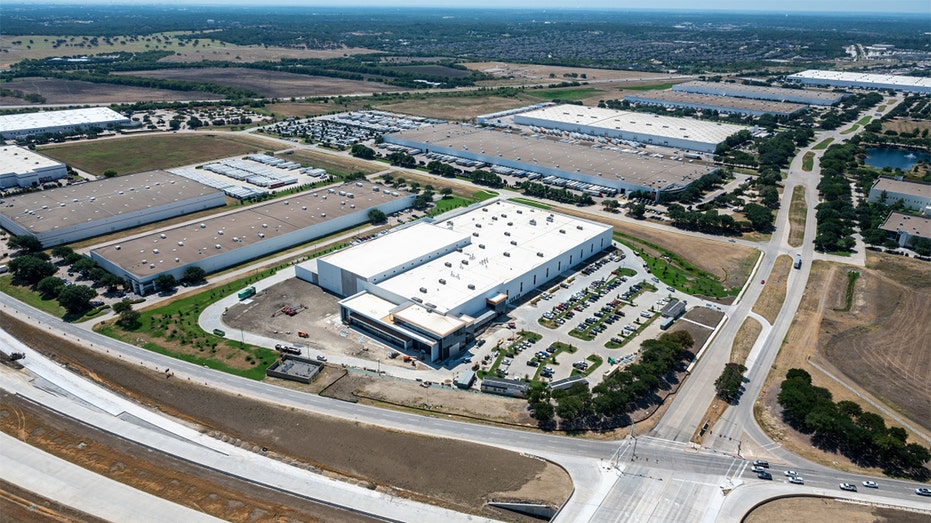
{"type": "Point", "coordinates": [865, 120]}
{"type": "Point", "coordinates": [850, 130]}
{"type": "Point", "coordinates": [675, 272]}
{"type": "Point", "coordinates": [573, 94]}
{"type": "Point", "coordinates": [808, 161]}
{"type": "Point", "coordinates": [30, 297]}
{"type": "Point", "coordinates": [448, 203]}
{"type": "Point", "coordinates": [484, 195]}
{"type": "Point", "coordinates": [824, 144]}
{"type": "Point", "coordinates": [612, 345]}
{"type": "Point", "coordinates": [255, 373]}
{"type": "Point", "coordinates": [596, 362]}
{"type": "Point", "coordinates": [852, 277]}
{"type": "Point", "coordinates": [93, 313]}
{"type": "Point", "coordinates": [652, 87]}
{"type": "Point", "coordinates": [531, 203]}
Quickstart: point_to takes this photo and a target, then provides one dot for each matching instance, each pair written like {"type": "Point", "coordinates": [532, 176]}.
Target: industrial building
{"type": "Point", "coordinates": [908, 84]}
{"type": "Point", "coordinates": [21, 167]}
{"type": "Point", "coordinates": [249, 232]}
{"type": "Point", "coordinates": [430, 287]}
{"type": "Point", "coordinates": [647, 128]}
{"type": "Point", "coordinates": [19, 126]}
{"type": "Point", "coordinates": [721, 104]}
{"type": "Point", "coordinates": [757, 92]}
{"type": "Point", "coordinates": [913, 195]}
{"type": "Point", "coordinates": [82, 210]}
{"type": "Point", "coordinates": [904, 228]}
{"type": "Point", "coordinates": [622, 169]}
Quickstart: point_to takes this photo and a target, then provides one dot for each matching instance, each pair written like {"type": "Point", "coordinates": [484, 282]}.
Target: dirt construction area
{"type": "Point", "coordinates": [822, 509]}
{"type": "Point", "coordinates": [318, 317]}
{"type": "Point", "coordinates": [455, 474]}
{"type": "Point", "coordinates": [881, 345]}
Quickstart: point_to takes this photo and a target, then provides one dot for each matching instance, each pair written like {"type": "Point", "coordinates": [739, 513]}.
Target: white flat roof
{"type": "Point", "coordinates": [751, 91]}
{"type": "Point", "coordinates": [370, 305]}
{"type": "Point", "coordinates": [491, 259]}
{"type": "Point", "coordinates": [640, 123]}
{"type": "Point", "coordinates": [39, 120]}
{"type": "Point", "coordinates": [919, 189]}
{"type": "Point", "coordinates": [20, 160]}
{"type": "Point", "coordinates": [438, 324]}
{"type": "Point", "coordinates": [913, 225]}
{"type": "Point", "coordinates": [389, 251]}
{"type": "Point", "coordinates": [865, 79]}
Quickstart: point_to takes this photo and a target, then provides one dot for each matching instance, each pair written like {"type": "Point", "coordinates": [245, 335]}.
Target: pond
{"type": "Point", "coordinates": [894, 157]}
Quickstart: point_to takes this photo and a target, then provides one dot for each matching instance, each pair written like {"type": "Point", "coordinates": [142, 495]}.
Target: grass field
{"type": "Point", "coordinates": [823, 144]}
{"type": "Point", "coordinates": [30, 297]}
{"type": "Point", "coordinates": [798, 210]}
{"type": "Point", "coordinates": [774, 293]}
{"type": "Point", "coordinates": [144, 153]}
{"type": "Point", "coordinates": [334, 164]}
{"type": "Point", "coordinates": [573, 94]}
{"type": "Point", "coordinates": [452, 107]}
{"type": "Point", "coordinates": [481, 196]}
{"type": "Point", "coordinates": [674, 270]}
{"type": "Point", "coordinates": [651, 87]}
{"type": "Point", "coordinates": [746, 336]}
{"type": "Point", "coordinates": [449, 203]}
{"type": "Point", "coordinates": [532, 203]}
{"type": "Point", "coordinates": [808, 161]}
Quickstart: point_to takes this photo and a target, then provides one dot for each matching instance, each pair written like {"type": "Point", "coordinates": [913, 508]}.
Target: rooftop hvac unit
{"type": "Point", "coordinates": [507, 254]}
{"type": "Point", "coordinates": [481, 246]}
{"type": "Point", "coordinates": [151, 265]}
{"type": "Point", "coordinates": [117, 247]}
{"type": "Point", "coordinates": [418, 300]}
{"type": "Point", "coordinates": [203, 226]}
{"type": "Point", "coordinates": [180, 244]}
{"type": "Point", "coordinates": [533, 222]}
{"type": "Point", "coordinates": [465, 262]}
{"type": "Point", "coordinates": [448, 264]}
{"type": "Point", "coordinates": [478, 226]}
{"type": "Point", "coordinates": [423, 290]}
{"type": "Point", "coordinates": [579, 227]}
{"type": "Point", "coordinates": [562, 231]}
{"type": "Point", "coordinates": [429, 305]}
{"type": "Point", "coordinates": [162, 236]}
{"type": "Point", "coordinates": [471, 286]}
{"type": "Point", "coordinates": [154, 251]}
{"type": "Point", "coordinates": [475, 234]}
{"type": "Point", "coordinates": [218, 246]}
{"type": "Point", "coordinates": [485, 209]}
{"type": "Point", "coordinates": [442, 281]}
{"type": "Point", "coordinates": [540, 254]}
{"type": "Point", "coordinates": [506, 233]}
{"type": "Point", "coordinates": [513, 242]}
{"type": "Point", "coordinates": [510, 224]}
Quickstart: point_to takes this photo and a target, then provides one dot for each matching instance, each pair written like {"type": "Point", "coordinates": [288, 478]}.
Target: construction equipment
{"type": "Point", "coordinates": [17, 356]}
{"type": "Point", "coordinates": [303, 334]}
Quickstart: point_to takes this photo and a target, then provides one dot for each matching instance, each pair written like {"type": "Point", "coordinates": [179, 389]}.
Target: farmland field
{"type": "Point", "coordinates": [453, 107]}
{"type": "Point", "coordinates": [58, 91]}
{"type": "Point", "coordinates": [272, 84]}
{"type": "Point", "coordinates": [433, 69]}
{"type": "Point", "coordinates": [144, 153]}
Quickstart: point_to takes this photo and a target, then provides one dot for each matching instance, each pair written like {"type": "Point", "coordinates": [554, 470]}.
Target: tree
{"type": "Point", "coordinates": [26, 243]}
{"type": "Point", "coordinates": [728, 384]}
{"type": "Point", "coordinates": [193, 275]}
{"type": "Point", "coordinates": [62, 251]}
{"type": "Point", "coordinates": [83, 266]}
{"type": "Point", "coordinates": [109, 173]}
{"type": "Point", "coordinates": [165, 283]}
{"type": "Point", "coordinates": [76, 298]}
{"type": "Point", "coordinates": [50, 286]}
{"type": "Point", "coordinates": [377, 216]}
{"type": "Point", "coordinates": [360, 151]}
{"type": "Point", "coordinates": [446, 191]}
{"type": "Point", "coordinates": [760, 217]}
{"type": "Point", "coordinates": [128, 318]}
{"type": "Point", "coordinates": [110, 281]}
{"type": "Point", "coordinates": [638, 210]}
{"type": "Point", "coordinates": [30, 270]}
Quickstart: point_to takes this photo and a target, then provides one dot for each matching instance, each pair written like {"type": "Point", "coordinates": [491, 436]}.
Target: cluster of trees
{"type": "Point", "coordinates": [846, 428]}
{"type": "Point", "coordinates": [758, 218]}
{"type": "Point", "coordinates": [621, 392]}
{"type": "Point", "coordinates": [35, 98]}
{"type": "Point", "coordinates": [849, 110]}
{"type": "Point", "coordinates": [487, 178]}
{"type": "Point", "coordinates": [696, 189]}
{"type": "Point", "coordinates": [539, 190]}
{"type": "Point", "coordinates": [402, 159]}
{"type": "Point", "coordinates": [836, 214]}
{"type": "Point", "coordinates": [443, 169]}
{"type": "Point", "coordinates": [33, 267]}
{"type": "Point", "coordinates": [360, 151]}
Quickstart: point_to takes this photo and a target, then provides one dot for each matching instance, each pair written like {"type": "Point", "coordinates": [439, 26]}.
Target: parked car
{"type": "Point", "coordinates": [321, 357]}
{"type": "Point", "coordinates": [848, 486]}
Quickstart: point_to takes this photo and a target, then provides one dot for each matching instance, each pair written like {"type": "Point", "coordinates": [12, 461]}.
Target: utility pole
{"type": "Point", "coordinates": [633, 455]}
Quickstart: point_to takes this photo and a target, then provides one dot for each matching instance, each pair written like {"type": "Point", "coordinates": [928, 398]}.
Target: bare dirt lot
{"type": "Point", "coordinates": [158, 474]}
{"type": "Point", "coordinates": [454, 108]}
{"type": "Point", "coordinates": [450, 473]}
{"type": "Point", "coordinates": [269, 83]}
{"type": "Point", "coordinates": [58, 91]}
{"type": "Point", "coordinates": [541, 73]}
{"type": "Point", "coordinates": [704, 319]}
{"type": "Point", "coordinates": [258, 53]}
{"type": "Point", "coordinates": [774, 293]}
{"type": "Point", "coordinates": [884, 342]}
{"type": "Point", "coordinates": [901, 362]}
{"type": "Point", "coordinates": [823, 509]}
{"type": "Point", "coordinates": [18, 505]}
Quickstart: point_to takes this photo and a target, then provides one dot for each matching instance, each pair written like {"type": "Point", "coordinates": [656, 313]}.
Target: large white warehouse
{"type": "Point", "coordinates": [17, 126]}
{"type": "Point", "coordinates": [908, 84]}
{"type": "Point", "coordinates": [249, 232]}
{"type": "Point", "coordinates": [667, 131]}
{"type": "Point", "coordinates": [721, 104]}
{"type": "Point", "coordinates": [757, 92]}
{"type": "Point", "coordinates": [430, 286]}
{"type": "Point", "coordinates": [21, 167]}
{"type": "Point", "coordinates": [624, 170]}
{"type": "Point", "coordinates": [82, 210]}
